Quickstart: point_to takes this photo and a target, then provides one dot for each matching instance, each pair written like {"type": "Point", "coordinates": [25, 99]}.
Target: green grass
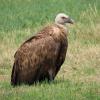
{"type": "Point", "coordinates": [79, 77]}
{"type": "Point", "coordinates": [54, 91]}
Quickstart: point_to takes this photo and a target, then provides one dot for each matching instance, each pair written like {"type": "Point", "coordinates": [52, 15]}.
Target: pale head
{"type": "Point", "coordinates": [62, 19]}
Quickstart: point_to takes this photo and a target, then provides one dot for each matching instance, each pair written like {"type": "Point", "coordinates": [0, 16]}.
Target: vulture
{"type": "Point", "coordinates": [41, 56]}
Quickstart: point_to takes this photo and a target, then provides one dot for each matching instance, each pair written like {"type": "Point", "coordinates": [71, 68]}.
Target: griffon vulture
{"type": "Point", "coordinates": [41, 56]}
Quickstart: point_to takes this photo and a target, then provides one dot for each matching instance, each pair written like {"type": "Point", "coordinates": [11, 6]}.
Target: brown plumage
{"type": "Point", "coordinates": [41, 56]}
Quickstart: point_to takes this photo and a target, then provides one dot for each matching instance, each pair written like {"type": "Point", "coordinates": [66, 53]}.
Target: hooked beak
{"type": "Point", "coordinates": [71, 21]}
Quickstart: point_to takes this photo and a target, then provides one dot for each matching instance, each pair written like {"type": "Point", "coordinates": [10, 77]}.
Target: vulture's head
{"type": "Point", "coordinates": [62, 19]}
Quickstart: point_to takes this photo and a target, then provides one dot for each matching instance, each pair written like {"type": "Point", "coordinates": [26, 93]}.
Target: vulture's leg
{"type": "Point", "coordinates": [51, 75]}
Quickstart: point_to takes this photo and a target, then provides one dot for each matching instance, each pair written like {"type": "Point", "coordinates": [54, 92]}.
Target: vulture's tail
{"type": "Point", "coordinates": [14, 75]}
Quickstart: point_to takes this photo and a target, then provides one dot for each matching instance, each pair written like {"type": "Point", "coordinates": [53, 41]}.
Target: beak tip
{"type": "Point", "coordinates": [72, 21]}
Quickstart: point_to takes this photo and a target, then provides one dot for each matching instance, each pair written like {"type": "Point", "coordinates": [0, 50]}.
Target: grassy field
{"type": "Point", "coordinates": [79, 77]}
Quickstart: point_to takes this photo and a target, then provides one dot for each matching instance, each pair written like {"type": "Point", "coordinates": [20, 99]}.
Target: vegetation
{"type": "Point", "coordinates": [79, 77]}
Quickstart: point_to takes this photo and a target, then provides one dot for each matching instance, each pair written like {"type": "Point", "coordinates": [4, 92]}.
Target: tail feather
{"type": "Point", "coordinates": [14, 75]}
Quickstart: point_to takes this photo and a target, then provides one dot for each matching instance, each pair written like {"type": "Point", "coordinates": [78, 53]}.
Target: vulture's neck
{"type": "Point", "coordinates": [62, 27]}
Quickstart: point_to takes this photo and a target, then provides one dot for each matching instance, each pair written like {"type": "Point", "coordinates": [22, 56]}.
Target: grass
{"type": "Point", "coordinates": [55, 91]}
{"type": "Point", "coordinates": [79, 77]}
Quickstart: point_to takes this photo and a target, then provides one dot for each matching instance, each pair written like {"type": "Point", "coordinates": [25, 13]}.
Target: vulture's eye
{"type": "Point", "coordinates": [63, 17]}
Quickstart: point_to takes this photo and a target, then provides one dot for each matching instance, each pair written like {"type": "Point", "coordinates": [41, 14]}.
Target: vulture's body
{"type": "Point", "coordinates": [41, 56]}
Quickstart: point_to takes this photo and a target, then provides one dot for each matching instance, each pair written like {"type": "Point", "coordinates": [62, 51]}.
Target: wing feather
{"type": "Point", "coordinates": [34, 53]}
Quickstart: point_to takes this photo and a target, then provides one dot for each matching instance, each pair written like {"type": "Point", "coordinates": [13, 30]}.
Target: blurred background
{"type": "Point", "coordinates": [21, 19]}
